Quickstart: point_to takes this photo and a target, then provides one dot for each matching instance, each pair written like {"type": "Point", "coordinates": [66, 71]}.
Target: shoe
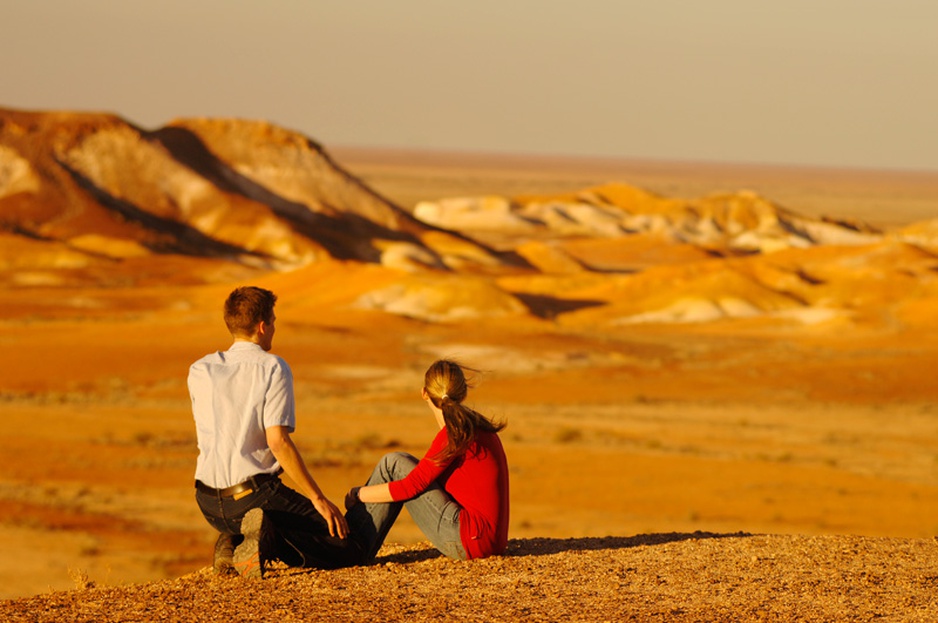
{"type": "Point", "coordinates": [224, 552]}
{"type": "Point", "coordinates": [248, 559]}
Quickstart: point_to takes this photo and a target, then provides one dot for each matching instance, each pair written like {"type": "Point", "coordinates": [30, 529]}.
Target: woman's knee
{"type": "Point", "coordinates": [396, 465]}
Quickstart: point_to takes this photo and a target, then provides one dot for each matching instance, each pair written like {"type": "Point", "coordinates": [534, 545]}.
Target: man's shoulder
{"type": "Point", "coordinates": [213, 357]}
{"type": "Point", "coordinates": [280, 363]}
{"type": "Point", "coordinates": [274, 362]}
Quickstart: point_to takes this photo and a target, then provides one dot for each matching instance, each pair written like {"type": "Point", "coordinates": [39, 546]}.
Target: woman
{"type": "Point", "coordinates": [457, 493]}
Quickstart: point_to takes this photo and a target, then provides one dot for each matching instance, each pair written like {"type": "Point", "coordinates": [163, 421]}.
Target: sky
{"type": "Point", "coordinates": [842, 83]}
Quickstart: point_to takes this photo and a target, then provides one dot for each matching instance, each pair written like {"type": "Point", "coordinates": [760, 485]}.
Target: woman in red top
{"type": "Point", "coordinates": [457, 493]}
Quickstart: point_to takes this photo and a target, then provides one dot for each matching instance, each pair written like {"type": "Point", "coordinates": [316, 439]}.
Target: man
{"type": "Point", "coordinates": [245, 413]}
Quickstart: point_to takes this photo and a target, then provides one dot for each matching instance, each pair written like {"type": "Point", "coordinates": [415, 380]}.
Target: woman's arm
{"type": "Point", "coordinates": [373, 494]}
{"type": "Point", "coordinates": [412, 485]}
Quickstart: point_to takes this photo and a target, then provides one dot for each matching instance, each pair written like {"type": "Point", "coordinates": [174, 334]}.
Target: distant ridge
{"type": "Point", "coordinates": [728, 224]}
{"type": "Point", "coordinates": [93, 200]}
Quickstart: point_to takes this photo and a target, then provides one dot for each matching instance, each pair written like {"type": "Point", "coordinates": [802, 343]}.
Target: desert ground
{"type": "Point", "coordinates": [683, 577]}
{"type": "Point", "coordinates": [737, 424]}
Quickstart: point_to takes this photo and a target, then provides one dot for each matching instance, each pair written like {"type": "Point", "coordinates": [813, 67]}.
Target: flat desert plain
{"type": "Point", "coordinates": [826, 427]}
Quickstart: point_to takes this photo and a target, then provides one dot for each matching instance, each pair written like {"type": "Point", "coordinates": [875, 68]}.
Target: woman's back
{"type": "Point", "coordinates": [478, 481]}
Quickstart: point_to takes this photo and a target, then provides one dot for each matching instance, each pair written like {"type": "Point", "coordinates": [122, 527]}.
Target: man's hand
{"type": "Point", "coordinates": [281, 444]}
{"type": "Point", "coordinates": [333, 516]}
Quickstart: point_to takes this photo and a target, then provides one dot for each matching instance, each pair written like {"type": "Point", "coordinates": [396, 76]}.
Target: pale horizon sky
{"type": "Point", "coordinates": [841, 83]}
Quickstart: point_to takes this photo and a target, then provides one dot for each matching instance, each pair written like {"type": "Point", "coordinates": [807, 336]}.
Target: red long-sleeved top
{"type": "Point", "coordinates": [477, 481]}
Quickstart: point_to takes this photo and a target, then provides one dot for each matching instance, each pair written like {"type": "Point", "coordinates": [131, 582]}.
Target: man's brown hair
{"type": "Point", "coordinates": [247, 307]}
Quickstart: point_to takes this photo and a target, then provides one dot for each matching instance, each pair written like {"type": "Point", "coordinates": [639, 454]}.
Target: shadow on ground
{"type": "Point", "coordinates": [546, 547]}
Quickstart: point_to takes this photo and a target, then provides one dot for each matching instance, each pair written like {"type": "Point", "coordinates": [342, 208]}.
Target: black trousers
{"type": "Point", "coordinates": [300, 534]}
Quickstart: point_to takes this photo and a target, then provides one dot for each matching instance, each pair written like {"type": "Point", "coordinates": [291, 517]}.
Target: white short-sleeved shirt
{"type": "Point", "coordinates": [236, 395]}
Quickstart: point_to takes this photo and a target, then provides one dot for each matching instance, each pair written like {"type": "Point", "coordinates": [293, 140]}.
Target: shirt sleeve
{"type": "Point", "coordinates": [424, 474]}
{"type": "Point", "coordinates": [279, 402]}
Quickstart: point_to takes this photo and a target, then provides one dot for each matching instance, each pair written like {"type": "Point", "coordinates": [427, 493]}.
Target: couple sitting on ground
{"type": "Point", "coordinates": [244, 410]}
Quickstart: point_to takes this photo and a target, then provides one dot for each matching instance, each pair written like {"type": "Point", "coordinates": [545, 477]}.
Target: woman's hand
{"type": "Point", "coordinates": [351, 498]}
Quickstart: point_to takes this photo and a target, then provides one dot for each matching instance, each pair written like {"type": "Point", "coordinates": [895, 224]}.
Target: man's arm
{"type": "Point", "coordinates": [281, 444]}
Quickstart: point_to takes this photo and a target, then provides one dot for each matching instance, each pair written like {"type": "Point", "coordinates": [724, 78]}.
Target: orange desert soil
{"type": "Point", "coordinates": [736, 470]}
{"type": "Point", "coordinates": [699, 577]}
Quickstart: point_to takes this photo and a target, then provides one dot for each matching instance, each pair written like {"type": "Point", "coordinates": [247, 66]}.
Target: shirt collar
{"type": "Point", "coordinates": [244, 345]}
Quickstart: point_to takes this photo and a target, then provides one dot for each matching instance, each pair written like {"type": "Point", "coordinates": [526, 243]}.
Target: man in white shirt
{"type": "Point", "coordinates": [245, 412]}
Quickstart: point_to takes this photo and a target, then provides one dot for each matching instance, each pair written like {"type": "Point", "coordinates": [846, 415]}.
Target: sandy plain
{"type": "Point", "coordinates": [647, 429]}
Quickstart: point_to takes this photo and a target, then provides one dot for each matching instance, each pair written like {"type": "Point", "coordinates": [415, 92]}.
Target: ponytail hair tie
{"type": "Point", "coordinates": [444, 397]}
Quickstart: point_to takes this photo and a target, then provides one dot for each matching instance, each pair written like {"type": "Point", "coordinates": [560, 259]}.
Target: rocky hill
{"type": "Point", "coordinates": [82, 187]}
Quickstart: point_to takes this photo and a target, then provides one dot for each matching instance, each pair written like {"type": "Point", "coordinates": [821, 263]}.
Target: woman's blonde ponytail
{"type": "Point", "coordinates": [445, 383]}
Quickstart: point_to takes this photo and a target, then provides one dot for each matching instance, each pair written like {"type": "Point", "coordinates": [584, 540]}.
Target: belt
{"type": "Point", "coordinates": [239, 490]}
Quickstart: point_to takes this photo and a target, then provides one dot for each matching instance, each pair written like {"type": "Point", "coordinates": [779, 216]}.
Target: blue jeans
{"type": "Point", "coordinates": [434, 511]}
{"type": "Point", "coordinates": [300, 535]}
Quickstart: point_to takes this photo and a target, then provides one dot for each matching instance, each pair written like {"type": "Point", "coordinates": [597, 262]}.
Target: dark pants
{"type": "Point", "coordinates": [300, 535]}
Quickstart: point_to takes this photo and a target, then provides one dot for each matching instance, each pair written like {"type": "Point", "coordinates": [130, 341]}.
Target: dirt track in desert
{"type": "Point", "coordinates": [738, 424]}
